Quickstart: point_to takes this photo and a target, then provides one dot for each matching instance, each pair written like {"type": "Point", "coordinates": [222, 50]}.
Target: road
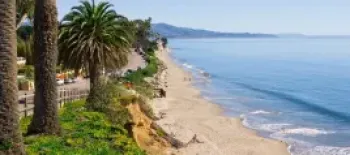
{"type": "Point", "coordinates": [81, 84]}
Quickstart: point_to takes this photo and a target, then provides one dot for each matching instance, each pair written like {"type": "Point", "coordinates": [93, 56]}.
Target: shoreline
{"type": "Point", "coordinates": [191, 119]}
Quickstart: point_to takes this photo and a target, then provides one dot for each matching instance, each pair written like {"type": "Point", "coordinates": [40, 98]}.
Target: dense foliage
{"type": "Point", "coordinates": [150, 69]}
{"type": "Point", "coordinates": [25, 43]}
{"type": "Point", "coordinates": [25, 49]}
{"type": "Point", "coordinates": [93, 35]}
{"type": "Point", "coordinates": [25, 10]}
{"type": "Point", "coordinates": [164, 41]}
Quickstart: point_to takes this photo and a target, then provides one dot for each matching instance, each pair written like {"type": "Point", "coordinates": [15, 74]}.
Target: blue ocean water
{"type": "Point", "coordinates": [295, 90]}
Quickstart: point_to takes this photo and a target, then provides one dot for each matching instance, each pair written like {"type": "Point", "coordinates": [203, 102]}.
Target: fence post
{"type": "Point", "coordinates": [60, 98]}
{"type": "Point", "coordinates": [67, 95]}
{"type": "Point", "coordinates": [25, 105]}
{"type": "Point", "coordinates": [71, 96]}
{"type": "Point", "coordinates": [64, 95]}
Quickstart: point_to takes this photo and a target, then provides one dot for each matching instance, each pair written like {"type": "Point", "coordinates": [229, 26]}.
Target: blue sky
{"type": "Point", "coordinates": [316, 17]}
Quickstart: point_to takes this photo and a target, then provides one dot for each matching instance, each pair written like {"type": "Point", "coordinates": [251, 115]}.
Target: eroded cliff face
{"type": "Point", "coordinates": [146, 135]}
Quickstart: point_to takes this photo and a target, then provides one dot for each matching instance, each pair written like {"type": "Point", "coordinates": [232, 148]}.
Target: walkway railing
{"type": "Point", "coordinates": [26, 102]}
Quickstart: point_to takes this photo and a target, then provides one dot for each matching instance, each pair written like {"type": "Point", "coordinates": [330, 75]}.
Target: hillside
{"type": "Point", "coordinates": [171, 31]}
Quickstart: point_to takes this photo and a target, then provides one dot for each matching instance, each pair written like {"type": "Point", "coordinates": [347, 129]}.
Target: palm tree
{"type": "Point", "coordinates": [25, 10]}
{"type": "Point", "coordinates": [10, 137]}
{"type": "Point", "coordinates": [45, 119]}
{"type": "Point", "coordinates": [143, 34]}
{"type": "Point", "coordinates": [92, 37]}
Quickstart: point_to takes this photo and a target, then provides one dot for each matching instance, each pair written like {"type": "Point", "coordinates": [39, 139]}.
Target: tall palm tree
{"type": "Point", "coordinates": [92, 37]}
{"type": "Point", "coordinates": [10, 137]}
{"type": "Point", "coordinates": [45, 119]}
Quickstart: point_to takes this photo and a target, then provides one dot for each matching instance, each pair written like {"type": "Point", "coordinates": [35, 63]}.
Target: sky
{"type": "Point", "coordinates": [312, 17]}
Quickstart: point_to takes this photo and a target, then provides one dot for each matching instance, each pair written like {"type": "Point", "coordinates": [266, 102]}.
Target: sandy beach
{"type": "Point", "coordinates": [185, 115]}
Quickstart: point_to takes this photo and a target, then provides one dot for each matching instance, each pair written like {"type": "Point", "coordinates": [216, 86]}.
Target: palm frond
{"type": "Point", "coordinates": [94, 35]}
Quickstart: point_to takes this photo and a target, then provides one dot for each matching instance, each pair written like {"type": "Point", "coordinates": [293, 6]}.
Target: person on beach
{"type": "Point", "coordinates": [205, 74]}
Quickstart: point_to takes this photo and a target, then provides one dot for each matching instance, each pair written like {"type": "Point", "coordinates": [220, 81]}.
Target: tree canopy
{"type": "Point", "coordinates": [93, 34]}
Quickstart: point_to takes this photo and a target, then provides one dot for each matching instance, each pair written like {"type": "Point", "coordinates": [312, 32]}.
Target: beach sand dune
{"type": "Point", "coordinates": [200, 124]}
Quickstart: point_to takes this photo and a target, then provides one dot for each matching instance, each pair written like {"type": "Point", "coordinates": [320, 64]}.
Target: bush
{"type": "Point", "coordinates": [104, 96]}
{"type": "Point", "coordinates": [153, 46]}
{"type": "Point", "coordinates": [111, 100]}
{"type": "Point", "coordinates": [164, 41]}
{"type": "Point", "coordinates": [118, 114]}
{"type": "Point", "coordinates": [28, 71]}
{"type": "Point", "coordinates": [127, 99]}
{"type": "Point", "coordinates": [139, 75]}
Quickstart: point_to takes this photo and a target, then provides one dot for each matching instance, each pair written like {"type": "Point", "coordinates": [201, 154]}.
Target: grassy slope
{"type": "Point", "coordinates": [84, 132]}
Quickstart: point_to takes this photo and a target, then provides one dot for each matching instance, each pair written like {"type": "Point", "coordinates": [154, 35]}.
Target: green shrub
{"type": "Point", "coordinates": [24, 123]}
{"type": "Point", "coordinates": [111, 100]}
{"type": "Point", "coordinates": [105, 95]}
{"type": "Point", "coordinates": [150, 52]}
{"type": "Point", "coordinates": [118, 114]}
{"type": "Point", "coordinates": [164, 41]}
{"type": "Point", "coordinates": [135, 77]}
{"type": "Point", "coordinates": [138, 76]}
{"type": "Point", "coordinates": [27, 71]}
{"type": "Point", "coordinates": [127, 99]}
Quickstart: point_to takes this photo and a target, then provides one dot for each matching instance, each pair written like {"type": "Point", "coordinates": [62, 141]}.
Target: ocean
{"type": "Point", "coordinates": [294, 90]}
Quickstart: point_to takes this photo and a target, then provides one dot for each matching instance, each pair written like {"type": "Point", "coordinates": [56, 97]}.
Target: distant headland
{"type": "Point", "coordinates": [171, 31]}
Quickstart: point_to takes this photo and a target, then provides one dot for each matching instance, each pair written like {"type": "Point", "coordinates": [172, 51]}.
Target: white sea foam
{"type": "Point", "coordinates": [244, 121]}
{"type": "Point", "coordinates": [299, 147]}
{"type": "Point", "coordinates": [207, 98]}
{"type": "Point", "coordinates": [274, 127]}
{"type": "Point", "coordinates": [260, 112]}
{"type": "Point", "coordinates": [187, 66]}
{"type": "Point", "coordinates": [305, 131]}
{"type": "Point", "coordinates": [325, 150]}
{"type": "Point", "coordinates": [223, 98]}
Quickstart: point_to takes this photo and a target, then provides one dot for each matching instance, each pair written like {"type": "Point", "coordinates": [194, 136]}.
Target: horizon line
{"type": "Point", "coordinates": [277, 33]}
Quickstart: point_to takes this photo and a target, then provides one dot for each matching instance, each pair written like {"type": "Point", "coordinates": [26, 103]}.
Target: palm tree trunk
{"type": "Point", "coordinates": [10, 136]}
{"type": "Point", "coordinates": [95, 83]}
{"type": "Point", "coordinates": [45, 119]}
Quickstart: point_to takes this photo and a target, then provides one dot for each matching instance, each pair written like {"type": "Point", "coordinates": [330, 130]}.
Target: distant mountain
{"type": "Point", "coordinates": [171, 31]}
